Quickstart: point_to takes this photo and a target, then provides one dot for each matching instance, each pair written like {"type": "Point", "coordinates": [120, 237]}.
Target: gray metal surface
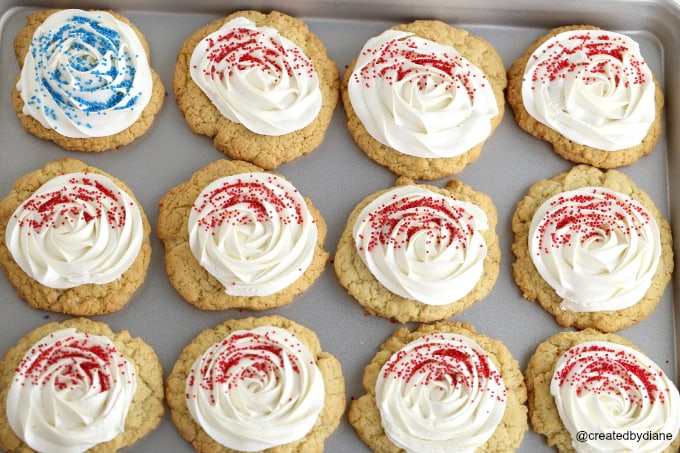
{"type": "Point", "coordinates": [337, 176]}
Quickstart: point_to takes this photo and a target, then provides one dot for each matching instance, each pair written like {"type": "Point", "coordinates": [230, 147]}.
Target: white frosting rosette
{"type": "Point", "coordinates": [253, 233]}
{"type": "Point", "coordinates": [597, 248]}
{"type": "Point", "coordinates": [256, 389]}
{"type": "Point", "coordinates": [257, 78]}
{"type": "Point", "coordinates": [593, 87]}
{"type": "Point", "coordinates": [86, 74]}
{"type": "Point", "coordinates": [440, 393]}
{"type": "Point", "coordinates": [606, 388]}
{"type": "Point", "coordinates": [71, 391]}
{"type": "Point", "coordinates": [76, 229]}
{"type": "Point", "coordinates": [422, 245]}
{"type": "Point", "coordinates": [420, 97]}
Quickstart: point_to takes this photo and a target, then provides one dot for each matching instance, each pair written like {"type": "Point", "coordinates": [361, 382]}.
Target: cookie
{"type": "Point", "coordinates": [422, 98]}
{"type": "Point", "coordinates": [249, 360]}
{"type": "Point", "coordinates": [636, 408]}
{"type": "Point", "coordinates": [418, 252]}
{"type": "Point", "coordinates": [469, 380]}
{"type": "Point", "coordinates": [75, 239]}
{"type": "Point", "coordinates": [101, 95]}
{"type": "Point", "coordinates": [238, 237]}
{"type": "Point", "coordinates": [267, 96]}
{"type": "Point", "coordinates": [590, 94]}
{"type": "Point", "coordinates": [110, 388]}
{"type": "Point", "coordinates": [592, 248]}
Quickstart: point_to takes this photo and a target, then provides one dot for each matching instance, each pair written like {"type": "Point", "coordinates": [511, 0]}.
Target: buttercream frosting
{"type": "Point", "coordinates": [77, 228]}
{"type": "Point", "coordinates": [253, 232]}
{"type": "Point", "coordinates": [256, 389]}
{"type": "Point", "coordinates": [606, 388]}
{"type": "Point", "coordinates": [597, 248]}
{"type": "Point", "coordinates": [256, 77]}
{"type": "Point", "coordinates": [420, 97]}
{"type": "Point", "coordinates": [70, 392]}
{"type": "Point", "coordinates": [422, 245]}
{"type": "Point", "coordinates": [440, 393]}
{"type": "Point", "coordinates": [592, 86]}
{"type": "Point", "coordinates": [86, 74]}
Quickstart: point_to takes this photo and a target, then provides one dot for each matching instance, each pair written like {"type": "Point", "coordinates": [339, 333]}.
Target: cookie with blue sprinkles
{"type": "Point", "coordinates": [85, 82]}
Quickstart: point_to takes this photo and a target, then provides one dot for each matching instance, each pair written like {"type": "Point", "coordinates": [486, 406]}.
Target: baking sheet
{"type": "Point", "coordinates": [337, 176]}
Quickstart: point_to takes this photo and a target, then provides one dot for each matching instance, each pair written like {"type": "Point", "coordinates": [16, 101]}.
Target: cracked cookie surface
{"type": "Point", "coordinates": [535, 288]}
{"type": "Point", "coordinates": [365, 417]}
{"type": "Point", "coordinates": [234, 139]}
{"type": "Point", "coordinates": [568, 149]}
{"type": "Point", "coordinates": [543, 413]}
{"type": "Point", "coordinates": [376, 299]}
{"type": "Point", "coordinates": [146, 409]}
{"type": "Point", "coordinates": [331, 370]}
{"type": "Point", "coordinates": [473, 48]}
{"type": "Point", "coordinates": [84, 300]}
{"type": "Point", "coordinates": [22, 45]}
{"type": "Point", "coordinates": [186, 274]}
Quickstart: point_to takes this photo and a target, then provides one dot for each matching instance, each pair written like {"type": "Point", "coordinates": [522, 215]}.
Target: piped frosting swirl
{"type": "Point", "coordinates": [86, 74]}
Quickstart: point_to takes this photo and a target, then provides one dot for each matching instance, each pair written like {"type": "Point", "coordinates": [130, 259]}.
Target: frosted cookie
{"type": "Point", "coordinates": [278, 389]}
{"type": "Point", "coordinates": [587, 387]}
{"type": "Point", "coordinates": [238, 237]}
{"type": "Point", "coordinates": [590, 94]}
{"type": "Point", "coordinates": [419, 253]}
{"type": "Point", "coordinates": [592, 248]}
{"type": "Point", "coordinates": [74, 239]}
{"type": "Point", "coordinates": [76, 386]}
{"type": "Point", "coordinates": [261, 85]}
{"type": "Point", "coordinates": [442, 387]}
{"type": "Point", "coordinates": [85, 81]}
{"type": "Point", "coordinates": [422, 98]}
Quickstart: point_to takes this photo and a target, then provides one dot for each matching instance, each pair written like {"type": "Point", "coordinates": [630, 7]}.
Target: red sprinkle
{"type": "Point", "coordinates": [394, 63]}
{"type": "Point", "coordinates": [266, 203]}
{"type": "Point", "coordinates": [589, 216]}
{"type": "Point", "coordinates": [556, 60]}
{"type": "Point", "coordinates": [446, 224]}
{"type": "Point", "coordinates": [441, 359]}
{"type": "Point", "coordinates": [244, 356]}
{"type": "Point", "coordinates": [69, 363]}
{"type": "Point", "coordinates": [609, 371]}
{"type": "Point", "coordinates": [83, 199]}
{"type": "Point", "coordinates": [241, 49]}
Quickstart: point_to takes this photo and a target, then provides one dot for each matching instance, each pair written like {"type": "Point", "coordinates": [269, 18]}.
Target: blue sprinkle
{"type": "Point", "coordinates": [77, 86]}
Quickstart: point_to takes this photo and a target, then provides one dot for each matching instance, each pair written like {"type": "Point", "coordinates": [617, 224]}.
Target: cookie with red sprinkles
{"type": "Point", "coordinates": [589, 93]}
{"type": "Point", "coordinates": [595, 390]}
{"type": "Point", "coordinates": [592, 248]}
{"type": "Point", "coordinates": [423, 98]}
{"type": "Point", "coordinates": [75, 239]}
{"type": "Point", "coordinates": [278, 390]}
{"type": "Point", "coordinates": [86, 82]}
{"type": "Point", "coordinates": [416, 252]}
{"type": "Point", "coordinates": [85, 369]}
{"type": "Point", "coordinates": [236, 236]}
{"type": "Point", "coordinates": [261, 85]}
{"type": "Point", "coordinates": [441, 384]}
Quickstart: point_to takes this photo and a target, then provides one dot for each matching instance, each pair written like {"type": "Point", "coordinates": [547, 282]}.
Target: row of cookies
{"type": "Point", "coordinates": [248, 385]}
{"type": "Point", "coordinates": [421, 98]}
{"type": "Point", "coordinates": [590, 246]}
{"type": "Point", "coordinates": [259, 383]}
{"type": "Point", "coordinates": [446, 387]}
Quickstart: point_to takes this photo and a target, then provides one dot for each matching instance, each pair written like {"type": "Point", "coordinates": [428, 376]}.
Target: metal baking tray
{"type": "Point", "coordinates": [338, 175]}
